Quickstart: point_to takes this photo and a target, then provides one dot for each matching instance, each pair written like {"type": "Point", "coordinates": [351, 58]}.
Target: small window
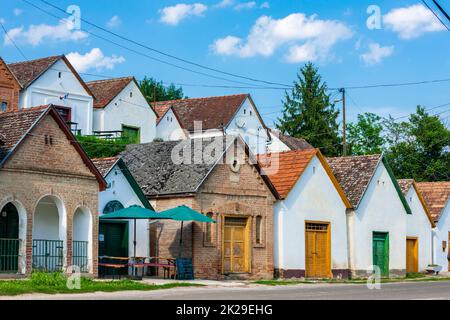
{"type": "Point", "coordinates": [112, 206]}
{"type": "Point", "coordinates": [250, 112]}
{"type": "Point", "coordinates": [208, 230]}
{"type": "Point", "coordinates": [59, 74]}
{"type": "Point", "coordinates": [4, 106]}
{"type": "Point", "coordinates": [258, 230]}
{"type": "Point", "coordinates": [131, 94]}
{"type": "Point", "coordinates": [245, 111]}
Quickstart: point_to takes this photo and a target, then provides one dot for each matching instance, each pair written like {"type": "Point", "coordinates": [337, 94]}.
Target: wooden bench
{"type": "Point", "coordinates": [115, 266]}
{"type": "Point", "coordinates": [167, 267]}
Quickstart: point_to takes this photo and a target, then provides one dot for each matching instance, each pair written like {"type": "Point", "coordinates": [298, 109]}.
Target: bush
{"type": "Point", "coordinates": [53, 279]}
{"type": "Point", "coordinates": [101, 148]}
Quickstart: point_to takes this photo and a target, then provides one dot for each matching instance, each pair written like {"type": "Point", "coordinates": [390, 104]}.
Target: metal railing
{"type": "Point", "coordinates": [80, 255]}
{"type": "Point", "coordinates": [9, 255]}
{"type": "Point", "coordinates": [48, 255]}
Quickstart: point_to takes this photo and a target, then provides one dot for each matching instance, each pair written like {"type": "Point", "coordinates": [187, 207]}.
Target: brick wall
{"type": "Point", "coordinates": [37, 170]}
{"type": "Point", "coordinates": [9, 88]}
{"type": "Point", "coordinates": [225, 193]}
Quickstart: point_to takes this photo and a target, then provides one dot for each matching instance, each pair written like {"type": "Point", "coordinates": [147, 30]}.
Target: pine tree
{"type": "Point", "coordinates": [308, 112]}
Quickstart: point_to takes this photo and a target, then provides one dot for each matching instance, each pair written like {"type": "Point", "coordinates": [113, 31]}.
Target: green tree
{"type": "Point", "coordinates": [156, 91]}
{"type": "Point", "coordinates": [365, 136]}
{"type": "Point", "coordinates": [423, 153]}
{"type": "Point", "coordinates": [308, 112]}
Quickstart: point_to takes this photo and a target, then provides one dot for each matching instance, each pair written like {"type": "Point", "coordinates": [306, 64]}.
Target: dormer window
{"type": "Point", "coordinates": [4, 106]}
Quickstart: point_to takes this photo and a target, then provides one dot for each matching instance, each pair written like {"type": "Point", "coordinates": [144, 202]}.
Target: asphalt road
{"type": "Point", "coordinates": [403, 291]}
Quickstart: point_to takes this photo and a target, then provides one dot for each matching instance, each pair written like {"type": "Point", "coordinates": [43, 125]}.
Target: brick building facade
{"type": "Point", "coordinates": [9, 89]}
{"type": "Point", "coordinates": [48, 191]}
{"type": "Point", "coordinates": [239, 198]}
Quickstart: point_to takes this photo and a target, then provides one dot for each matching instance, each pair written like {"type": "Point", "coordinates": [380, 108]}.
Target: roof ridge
{"type": "Point", "coordinates": [110, 79]}
{"type": "Point", "coordinates": [203, 98]}
{"type": "Point", "coordinates": [23, 110]}
{"type": "Point", "coordinates": [360, 156]}
{"type": "Point", "coordinates": [105, 158]}
{"type": "Point", "coordinates": [34, 60]}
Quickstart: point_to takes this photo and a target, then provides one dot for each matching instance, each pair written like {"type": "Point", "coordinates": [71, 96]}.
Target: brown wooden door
{"type": "Point", "coordinates": [235, 246]}
{"type": "Point", "coordinates": [412, 255]}
{"type": "Point", "coordinates": [318, 253]}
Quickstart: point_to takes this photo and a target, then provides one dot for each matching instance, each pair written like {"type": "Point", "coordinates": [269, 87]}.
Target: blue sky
{"type": "Point", "coordinates": [267, 40]}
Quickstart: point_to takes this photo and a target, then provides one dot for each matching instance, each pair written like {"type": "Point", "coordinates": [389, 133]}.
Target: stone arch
{"type": "Point", "coordinates": [82, 238]}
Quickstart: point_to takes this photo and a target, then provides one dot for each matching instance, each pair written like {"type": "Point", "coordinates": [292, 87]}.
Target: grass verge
{"type": "Point", "coordinates": [52, 283]}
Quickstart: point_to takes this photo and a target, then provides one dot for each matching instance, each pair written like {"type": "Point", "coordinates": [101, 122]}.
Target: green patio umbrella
{"type": "Point", "coordinates": [184, 213]}
{"type": "Point", "coordinates": [134, 212]}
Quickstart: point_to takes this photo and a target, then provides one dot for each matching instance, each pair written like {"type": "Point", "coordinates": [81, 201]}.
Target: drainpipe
{"type": "Point", "coordinates": [350, 215]}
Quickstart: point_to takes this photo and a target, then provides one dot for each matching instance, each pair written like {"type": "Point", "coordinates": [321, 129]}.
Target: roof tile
{"type": "Point", "coordinates": [436, 195]}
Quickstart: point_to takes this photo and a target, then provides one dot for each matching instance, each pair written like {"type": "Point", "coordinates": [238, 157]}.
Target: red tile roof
{"type": "Point", "coordinates": [405, 185]}
{"type": "Point", "coordinates": [105, 164]}
{"type": "Point", "coordinates": [106, 90]}
{"type": "Point", "coordinates": [436, 195]}
{"type": "Point", "coordinates": [354, 174]}
{"type": "Point", "coordinates": [28, 71]}
{"type": "Point", "coordinates": [213, 112]}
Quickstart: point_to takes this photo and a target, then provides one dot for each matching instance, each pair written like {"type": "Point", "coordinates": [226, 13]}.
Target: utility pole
{"type": "Point", "coordinates": [344, 124]}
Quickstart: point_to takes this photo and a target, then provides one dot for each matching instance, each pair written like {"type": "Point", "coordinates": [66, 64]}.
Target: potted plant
{"type": "Point", "coordinates": [434, 268]}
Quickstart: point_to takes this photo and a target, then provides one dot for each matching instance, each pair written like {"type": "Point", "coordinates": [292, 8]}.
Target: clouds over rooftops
{"type": "Point", "coordinates": [412, 22]}
{"type": "Point", "coordinates": [173, 15]}
{"type": "Point", "coordinates": [307, 38]}
{"type": "Point", "coordinates": [95, 59]}
{"type": "Point", "coordinates": [376, 53]}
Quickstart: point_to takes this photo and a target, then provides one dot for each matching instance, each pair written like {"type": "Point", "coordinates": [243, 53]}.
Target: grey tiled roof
{"type": "Point", "coordinates": [155, 172]}
{"type": "Point", "coordinates": [354, 174]}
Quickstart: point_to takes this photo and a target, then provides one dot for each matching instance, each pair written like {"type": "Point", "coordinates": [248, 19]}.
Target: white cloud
{"type": "Point", "coordinates": [114, 22]}
{"type": "Point", "coordinates": [411, 22]}
{"type": "Point", "coordinates": [17, 12]}
{"type": "Point", "coordinates": [307, 38]}
{"type": "Point", "coordinates": [376, 53]}
{"type": "Point", "coordinates": [2, 21]}
{"type": "Point", "coordinates": [36, 34]}
{"type": "Point", "coordinates": [95, 59]}
{"type": "Point", "coordinates": [245, 5]}
{"type": "Point", "coordinates": [224, 4]}
{"type": "Point", "coordinates": [174, 14]}
{"type": "Point", "coordinates": [265, 5]}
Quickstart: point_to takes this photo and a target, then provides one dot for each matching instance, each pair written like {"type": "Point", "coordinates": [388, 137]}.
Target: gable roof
{"type": "Point", "coordinates": [293, 143]}
{"type": "Point", "coordinates": [436, 195]}
{"type": "Point", "coordinates": [405, 186]}
{"type": "Point", "coordinates": [26, 72]}
{"type": "Point", "coordinates": [213, 112]}
{"type": "Point", "coordinates": [284, 169]}
{"type": "Point", "coordinates": [105, 165]}
{"type": "Point", "coordinates": [106, 90]}
{"type": "Point", "coordinates": [15, 127]}
{"type": "Point", "coordinates": [355, 173]}
{"type": "Point", "coordinates": [156, 173]}
{"type": "Point", "coordinates": [8, 70]}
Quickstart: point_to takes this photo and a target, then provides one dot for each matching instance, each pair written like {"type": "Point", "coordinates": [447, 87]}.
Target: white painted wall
{"type": "Point", "coordinates": [121, 190]}
{"type": "Point", "coordinates": [441, 234]}
{"type": "Point", "coordinates": [82, 231]}
{"type": "Point", "coordinates": [169, 129]}
{"type": "Point", "coordinates": [380, 210]}
{"type": "Point", "coordinates": [276, 145]}
{"type": "Point", "coordinates": [48, 88]}
{"type": "Point", "coordinates": [313, 198]}
{"type": "Point", "coordinates": [131, 111]}
{"type": "Point", "coordinates": [418, 225]}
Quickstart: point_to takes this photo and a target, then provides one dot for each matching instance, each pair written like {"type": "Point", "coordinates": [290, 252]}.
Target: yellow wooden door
{"type": "Point", "coordinates": [317, 244]}
{"type": "Point", "coordinates": [412, 255]}
{"type": "Point", "coordinates": [235, 246]}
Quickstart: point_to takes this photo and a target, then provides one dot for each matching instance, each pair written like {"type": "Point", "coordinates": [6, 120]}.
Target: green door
{"type": "Point", "coordinates": [131, 133]}
{"type": "Point", "coordinates": [9, 238]}
{"type": "Point", "coordinates": [113, 242]}
{"type": "Point", "coordinates": [380, 249]}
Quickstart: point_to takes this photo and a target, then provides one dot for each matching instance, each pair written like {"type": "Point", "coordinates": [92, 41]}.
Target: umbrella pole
{"type": "Point", "coordinates": [134, 245]}
{"type": "Point", "coordinates": [181, 240]}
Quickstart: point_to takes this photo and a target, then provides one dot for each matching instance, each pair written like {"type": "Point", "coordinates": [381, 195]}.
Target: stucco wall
{"type": "Point", "coordinates": [313, 198]}
{"type": "Point", "coordinates": [418, 226]}
{"type": "Point", "coordinates": [380, 210]}
{"type": "Point", "coordinates": [131, 111]}
{"type": "Point", "coordinates": [48, 88]}
{"type": "Point", "coordinates": [169, 128]}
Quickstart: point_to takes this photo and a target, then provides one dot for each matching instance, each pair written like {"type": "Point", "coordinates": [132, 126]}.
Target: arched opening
{"type": "Point", "coordinates": [49, 234]}
{"type": "Point", "coordinates": [9, 239]}
{"type": "Point", "coordinates": [82, 239]}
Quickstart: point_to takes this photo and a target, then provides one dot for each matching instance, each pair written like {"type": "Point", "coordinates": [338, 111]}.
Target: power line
{"type": "Point", "coordinates": [12, 41]}
{"type": "Point", "coordinates": [434, 13]}
{"type": "Point", "coordinates": [441, 9]}
{"type": "Point", "coordinates": [169, 55]}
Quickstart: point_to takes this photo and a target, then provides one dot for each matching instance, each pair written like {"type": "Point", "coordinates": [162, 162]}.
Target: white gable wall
{"type": "Point", "coordinates": [380, 210]}
{"type": "Point", "coordinates": [121, 190]}
{"type": "Point", "coordinates": [418, 226]}
{"type": "Point", "coordinates": [48, 88]}
{"type": "Point", "coordinates": [313, 198]}
{"type": "Point", "coordinates": [169, 128]}
{"type": "Point", "coordinates": [131, 111]}
{"type": "Point", "coordinates": [441, 233]}
{"type": "Point", "coordinates": [276, 145]}
{"type": "Point", "coordinates": [253, 132]}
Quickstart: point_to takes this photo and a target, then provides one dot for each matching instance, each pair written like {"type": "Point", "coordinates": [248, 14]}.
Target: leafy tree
{"type": "Point", "coordinates": [309, 114]}
{"type": "Point", "coordinates": [423, 153]}
{"type": "Point", "coordinates": [365, 136]}
{"type": "Point", "coordinates": [156, 91]}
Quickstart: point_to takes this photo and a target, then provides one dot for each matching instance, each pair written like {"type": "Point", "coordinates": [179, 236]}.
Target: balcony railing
{"type": "Point", "coordinates": [48, 255]}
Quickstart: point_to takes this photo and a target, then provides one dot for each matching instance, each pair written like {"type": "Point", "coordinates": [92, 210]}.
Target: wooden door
{"type": "Point", "coordinates": [412, 255]}
{"type": "Point", "coordinates": [380, 249]}
{"type": "Point", "coordinates": [317, 250]}
{"type": "Point", "coordinates": [235, 246]}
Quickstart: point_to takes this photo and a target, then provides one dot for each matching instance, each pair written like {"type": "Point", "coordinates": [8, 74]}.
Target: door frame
{"type": "Point", "coordinates": [416, 251]}
{"type": "Point", "coordinates": [247, 239]}
{"type": "Point", "coordinates": [127, 231]}
{"type": "Point", "coordinates": [328, 223]}
{"type": "Point", "coordinates": [386, 251]}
